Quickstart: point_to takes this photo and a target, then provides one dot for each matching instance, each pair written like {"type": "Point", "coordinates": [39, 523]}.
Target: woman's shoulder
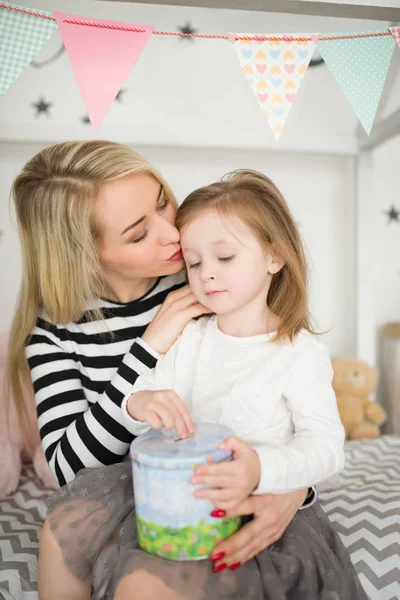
{"type": "Point", "coordinates": [108, 308]}
{"type": "Point", "coordinates": [46, 331]}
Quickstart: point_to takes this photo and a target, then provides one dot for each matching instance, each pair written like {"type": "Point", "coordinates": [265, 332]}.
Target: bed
{"type": "Point", "coordinates": [363, 502]}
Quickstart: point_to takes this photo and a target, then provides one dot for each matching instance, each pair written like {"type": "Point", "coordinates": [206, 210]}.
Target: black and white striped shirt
{"type": "Point", "coordinates": [81, 374]}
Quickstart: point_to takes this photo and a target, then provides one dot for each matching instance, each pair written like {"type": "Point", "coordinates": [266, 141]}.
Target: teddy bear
{"type": "Point", "coordinates": [12, 451]}
{"type": "Point", "coordinates": [353, 382]}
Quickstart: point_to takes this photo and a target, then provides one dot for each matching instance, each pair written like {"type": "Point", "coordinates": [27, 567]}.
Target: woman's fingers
{"type": "Point", "coordinates": [178, 294]}
{"type": "Point", "coordinates": [196, 310]}
{"type": "Point", "coordinates": [245, 544]}
{"type": "Point", "coordinates": [173, 316]}
{"type": "Point", "coordinates": [273, 513]}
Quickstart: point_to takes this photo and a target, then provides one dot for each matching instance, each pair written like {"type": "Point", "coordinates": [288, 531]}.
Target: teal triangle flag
{"type": "Point", "coordinates": [360, 67]}
{"type": "Point", "coordinates": [21, 38]}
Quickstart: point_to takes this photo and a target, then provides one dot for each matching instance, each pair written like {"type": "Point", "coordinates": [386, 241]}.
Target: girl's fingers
{"type": "Point", "coordinates": [164, 413]}
{"type": "Point", "coordinates": [183, 411]}
{"type": "Point", "coordinates": [215, 495]}
{"type": "Point", "coordinates": [228, 505]}
{"type": "Point", "coordinates": [226, 468]}
{"type": "Point", "coordinates": [214, 481]}
{"type": "Point", "coordinates": [152, 419]}
{"type": "Point", "coordinates": [176, 419]}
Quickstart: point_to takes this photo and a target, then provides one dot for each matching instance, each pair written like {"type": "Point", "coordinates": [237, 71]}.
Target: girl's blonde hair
{"type": "Point", "coordinates": [256, 201]}
{"type": "Point", "coordinates": [54, 196]}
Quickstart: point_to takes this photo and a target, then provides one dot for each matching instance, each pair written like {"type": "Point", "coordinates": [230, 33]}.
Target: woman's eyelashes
{"type": "Point", "coordinates": [141, 238]}
{"type": "Point", "coordinates": [224, 259]}
{"type": "Point", "coordinates": [160, 208]}
{"type": "Point", "coordinates": [163, 204]}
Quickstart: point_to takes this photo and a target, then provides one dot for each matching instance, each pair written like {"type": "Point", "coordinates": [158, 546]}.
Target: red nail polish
{"type": "Point", "coordinates": [235, 566]}
{"type": "Point", "coordinates": [218, 513]}
{"type": "Point", "coordinates": [218, 556]}
{"type": "Point", "coordinates": [219, 568]}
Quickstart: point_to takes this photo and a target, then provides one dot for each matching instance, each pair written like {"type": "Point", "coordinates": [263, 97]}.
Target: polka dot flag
{"type": "Point", "coordinates": [360, 67]}
{"type": "Point", "coordinates": [21, 38]}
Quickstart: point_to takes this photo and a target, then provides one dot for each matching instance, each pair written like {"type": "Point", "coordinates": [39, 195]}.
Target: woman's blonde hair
{"type": "Point", "coordinates": [256, 201]}
{"type": "Point", "coordinates": [53, 197]}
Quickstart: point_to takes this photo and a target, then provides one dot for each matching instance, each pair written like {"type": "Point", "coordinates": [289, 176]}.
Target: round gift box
{"type": "Point", "coordinates": [171, 522]}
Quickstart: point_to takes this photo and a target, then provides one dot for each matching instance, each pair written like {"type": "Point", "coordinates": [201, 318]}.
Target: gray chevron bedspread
{"type": "Point", "coordinates": [364, 504]}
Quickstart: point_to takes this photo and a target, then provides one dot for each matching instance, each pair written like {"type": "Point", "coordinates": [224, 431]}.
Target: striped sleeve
{"type": "Point", "coordinates": [76, 433]}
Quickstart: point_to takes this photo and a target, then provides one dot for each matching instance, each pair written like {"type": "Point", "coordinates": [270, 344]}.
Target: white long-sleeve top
{"type": "Point", "coordinates": [277, 396]}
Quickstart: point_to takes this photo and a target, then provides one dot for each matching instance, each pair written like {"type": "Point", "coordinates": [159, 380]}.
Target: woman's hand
{"type": "Point", "coordinates": [161, 407]}
{"type": "Point", "coordinates": [178, 308]}
{"type": "Point", "coordinates": [272, 515]}
{"type": "Point", "coordinates": [233, 481]}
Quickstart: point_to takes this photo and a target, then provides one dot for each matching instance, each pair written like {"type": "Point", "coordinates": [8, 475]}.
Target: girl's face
{"type": "Point", "coordinates": [138, 238]}
{"type": "Point", "coordinates": [227, 267]}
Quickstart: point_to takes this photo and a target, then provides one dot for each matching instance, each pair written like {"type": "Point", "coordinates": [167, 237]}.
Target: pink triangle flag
{"type": "Point", "coordinates": [101, 58]}
{"type": "Point", "coordinates": [395, 31]}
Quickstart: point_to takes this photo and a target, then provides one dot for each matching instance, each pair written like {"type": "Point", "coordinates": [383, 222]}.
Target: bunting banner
{"type": "Point", "coordinates": [21, 38]}
{"type": "Point", "coordinates": [395, 31]}
{"type": "Point", "coordinates": [360, 66]}
{"type": "Point", "coordinates": [102, 53]}
{"type": "Point", "coordinates": [101, 58]}
{"type": "Point", "coordinates": [274, 69]}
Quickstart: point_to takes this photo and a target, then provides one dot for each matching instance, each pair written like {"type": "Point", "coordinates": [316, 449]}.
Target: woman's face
{"type": "Point", "coordinates": [138, 238]}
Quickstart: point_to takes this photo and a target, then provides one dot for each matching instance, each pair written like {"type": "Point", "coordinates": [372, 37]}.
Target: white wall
{"type": "Point", "coordinates": [385, 235]}
{"type": "Point", "coordinates": [319, 190]}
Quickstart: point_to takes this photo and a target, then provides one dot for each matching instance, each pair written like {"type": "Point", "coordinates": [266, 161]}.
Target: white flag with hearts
{"type": "Point", "coordinates": [274, 68]}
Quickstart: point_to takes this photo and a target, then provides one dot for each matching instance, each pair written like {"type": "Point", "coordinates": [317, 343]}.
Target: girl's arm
{"type": "Point", "coordinates": [159, 378]}
{"type": "Point", "coordinates": [316, 452]}
{"type": "Point", "coordinates": [76, 434]}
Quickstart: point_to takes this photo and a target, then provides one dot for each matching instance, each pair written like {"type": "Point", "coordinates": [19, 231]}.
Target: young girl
{"type": "Point", "coordinates": [255, 366]}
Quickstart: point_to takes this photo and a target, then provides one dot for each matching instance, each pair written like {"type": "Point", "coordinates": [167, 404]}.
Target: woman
{"type": "Point", "coordinates": [102, 297]}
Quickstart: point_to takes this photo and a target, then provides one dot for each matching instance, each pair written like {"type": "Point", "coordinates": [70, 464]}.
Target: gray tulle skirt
{"type": "Point", "coordinates": [93, 520]}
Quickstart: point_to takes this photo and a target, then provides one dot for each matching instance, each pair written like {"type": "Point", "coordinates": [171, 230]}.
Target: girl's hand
{"type": "Point", "coordinates": [272, 515]}
{"type": "Point", "coordinates": [161, 408]}
{"type": "Point", "coordinates": [235, 479]}
{"type": "Point", "coordinates": [178, 308]}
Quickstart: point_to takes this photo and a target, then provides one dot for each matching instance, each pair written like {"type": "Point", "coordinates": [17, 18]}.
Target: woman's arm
{"type": "Point", "coordinates": [74, 433]}
{"type": "Point", "coordinates": [157, 379]}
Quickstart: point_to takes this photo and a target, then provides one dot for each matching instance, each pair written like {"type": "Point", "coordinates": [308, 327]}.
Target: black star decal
{"type": "Point", "coordinates": [42, 107]}
{"type": "Point", "coordinates": [188, 29]}
{"type": "Point", "coordinates": [118, 96]}
{"type": "Point", "coordinates": [393, 214]}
